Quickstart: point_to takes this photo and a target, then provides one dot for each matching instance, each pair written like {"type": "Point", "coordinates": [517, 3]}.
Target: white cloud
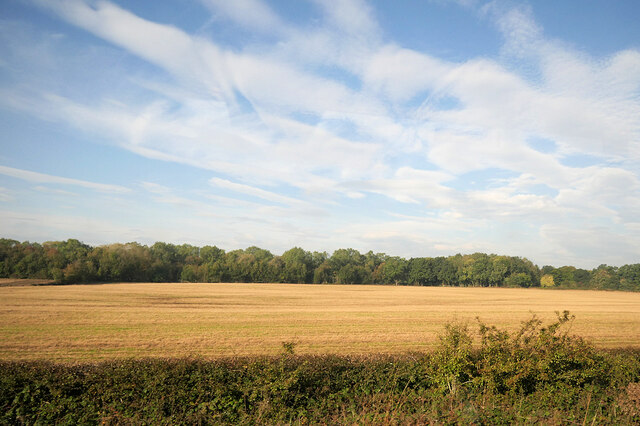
{"type": "Point", "coordinates": [254, 14]}
{"type": "Point", "coordinates": [155, 188]}
{"type": "Point", "coordinates": [50, 179]}
{"type": "Point", "coordinates": [354, 17]}
{"type": "Point", "coordinates": [402, 74]}
{"type": "Point", "coordinates": [252, 191]}
{"type": "Point", "coordinates": [5, 194]}
{"type": "Point", "coordinates": [54, 191]}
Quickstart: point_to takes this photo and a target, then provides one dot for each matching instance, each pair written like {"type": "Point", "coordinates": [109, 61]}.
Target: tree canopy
{"type": "Point", "coordinates": [72, 261]}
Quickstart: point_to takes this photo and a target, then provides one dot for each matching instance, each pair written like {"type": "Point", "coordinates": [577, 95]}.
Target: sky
{"type": "Point", "coordinates": [413, 127]}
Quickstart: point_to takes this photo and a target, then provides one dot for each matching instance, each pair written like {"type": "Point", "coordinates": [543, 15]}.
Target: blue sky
{"type": "Point", "coordinates": [414, 128]}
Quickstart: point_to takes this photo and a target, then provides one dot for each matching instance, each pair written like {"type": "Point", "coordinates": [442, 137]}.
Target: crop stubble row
{"type": "Point", "coordinates": [94, 322]}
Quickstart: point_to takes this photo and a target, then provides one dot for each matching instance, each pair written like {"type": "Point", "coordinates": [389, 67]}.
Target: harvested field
{"type": "Point", "coordinates": [95, 322]}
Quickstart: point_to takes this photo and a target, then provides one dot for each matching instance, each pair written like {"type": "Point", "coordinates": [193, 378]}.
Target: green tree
{"type": "Point", "coordinates": [422, 271]}
{"type": "Point", "coordinates": [348, 266]}
{"type": "Point", "coordinates": [211, 254]}
{"type": "Point", "coordinates": [215, 272]}
{"type": "Point", "coordinates": [500, 269]}
{"type": "Point", "coordinates": [59, 254]}
{"type": "Point", "coordinates": [394, 270]}
{"type": "Point", "coordinates": [323, 273]}
{"type": "Point", "coordinates": [547, 269]}
{"type": "Point", "coordinates": [476, 270]}
{"type": "Point", "coordinates": [298, 266]}
{"type": "Point", "coordinates": [629, 277]}
{"type": "Point", "coordinates": [165, 266]}
{"type": "Point", "coordinates": [581, 278]}
{"type": "Point", "coordinates": [190, 274]}
{"type": "Point", "coordinates": [351, 274]}
{"type": "Point", "coordinates": [446, 271]}
{"type": "Point", "coordinates": [78, 271]}
{"type": "Point", "coordinates": [563, 276]}
{"type": "Point", "coordinates": [7, 256]}
{"type": "Point", "coordinates": [519, 279]}
{"type": "Point", "coordinates": [129, 262]}
{"type": "Point", "coordinates": [605, 278]}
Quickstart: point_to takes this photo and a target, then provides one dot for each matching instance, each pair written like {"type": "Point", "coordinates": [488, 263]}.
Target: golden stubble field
{"type": "Point", "coordinates": [96, 322]}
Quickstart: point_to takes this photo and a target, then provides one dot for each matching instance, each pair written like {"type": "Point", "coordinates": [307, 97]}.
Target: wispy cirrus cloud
{"type": "Point", "coordinates": [50, 179]}
{"type": "Point", "coordinates": [253, 14]}
{"type": "Point", "coordinates": [5, 194]}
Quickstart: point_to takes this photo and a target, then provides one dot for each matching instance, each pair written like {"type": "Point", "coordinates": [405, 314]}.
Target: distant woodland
{"type": "Point", "coordinates": [72, 261]}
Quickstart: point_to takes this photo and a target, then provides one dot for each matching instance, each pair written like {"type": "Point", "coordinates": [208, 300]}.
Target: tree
{"type": "Point", "coordinates": [394, 270]}
{"type": "Point", "coordinates": [500, 268]}
{"type": "Point", "coordinates": [27, 260]}
{"type": "Point", "coordinates": [258, 264]}
{"type": "Point", "coordinates": [563, 276]}
{"type": "Point", "coordinates": [165, 266]}
{"type": "Point", "coordinates": [79, 271]}
{"type": "Point", "coordinates": [351, 274]}
{"type": "Point", "coordinates": [604, 278]}
{"type": "Point", "coordinates": [629, 277]}
{"type": "Point", "coordinates": [298, 266]}
{"type": "Point", "coordinates": [446, 271]}
{"type": "Point", "coordinates": [7, 254]}
{"type": "Point", "coordinates": [581, 278]}
{"type": "Point", "coordinates": [519, 279]}
{"type": "Point", "coordinates": [476, 270]}
{"type": "Point", "coordinates": [371, 262]}
{"type": "Point", "coordinates": [188, 254]}
{"type": "Point", "coordinates": [318, 258]}
{"type": "Point", "coordinates": [524, 265]}
{"type": "Point", "coordinates": [215, 272]}
{"type": "Point", "coordinates": [59, 254]}
{"type": "Point", "coordinates": [189, 274]}
{"type": "Point", "coordinates": [348, 266]}
{"type": "Point", "coordinates": [546, 269]}
{"type": "Point", "coordinates": [211, 254]}
{"type": "Point", "coordinates": [250, 265]}
{"type": "Point", "coordinates": [547, 281]}
{"type": "Point", "coordinates": [422, 271]}
{"type": "Point", "coordinates": [129, 262]}
{"type": "Point", "coordinates": [323, 274]}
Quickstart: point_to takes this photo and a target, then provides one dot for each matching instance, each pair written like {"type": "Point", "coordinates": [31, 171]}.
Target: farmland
{"type": "Point", "coordinates": [112, 321]}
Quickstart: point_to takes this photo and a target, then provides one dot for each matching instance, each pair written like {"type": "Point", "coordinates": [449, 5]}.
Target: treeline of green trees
{"type": "Point", "coordinates": [72, 261]}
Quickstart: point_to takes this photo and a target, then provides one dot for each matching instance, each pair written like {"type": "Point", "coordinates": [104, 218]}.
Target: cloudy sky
{"type": "Point", "coordinates": [414, 128]}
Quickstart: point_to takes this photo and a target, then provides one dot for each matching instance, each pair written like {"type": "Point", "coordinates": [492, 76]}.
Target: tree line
{"type": "Point", "coordinates": [72, 261]}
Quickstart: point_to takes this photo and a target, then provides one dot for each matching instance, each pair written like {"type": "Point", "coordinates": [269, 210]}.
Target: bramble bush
{"type": "Point", "coordinates": [539, 358]}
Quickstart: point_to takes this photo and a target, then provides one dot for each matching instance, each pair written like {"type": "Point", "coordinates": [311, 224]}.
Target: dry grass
{"type": "Point", "coordinates": [92, 322]}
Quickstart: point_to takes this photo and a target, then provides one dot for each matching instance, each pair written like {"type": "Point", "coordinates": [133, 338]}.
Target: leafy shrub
{"type": "Point", "coordinates": [538, 357]}
{"type": "Point", "coordinates": [452, 364]}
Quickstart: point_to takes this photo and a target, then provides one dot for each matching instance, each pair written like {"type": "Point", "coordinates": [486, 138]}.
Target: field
{"type": "Point", "coordinates": [101, 322]}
